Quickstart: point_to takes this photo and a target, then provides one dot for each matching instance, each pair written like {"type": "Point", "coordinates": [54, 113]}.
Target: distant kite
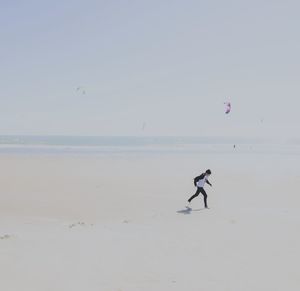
{"type": "Point", "coordinates": [81, 90]}
{"type": "Point", "coordinates": [144, 125]}
{"type": "Point", "coordinates": [227, 107]}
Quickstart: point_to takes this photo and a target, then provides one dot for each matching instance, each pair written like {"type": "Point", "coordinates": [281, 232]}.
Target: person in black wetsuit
{"type": "Point", "coordinates": [199, 182]}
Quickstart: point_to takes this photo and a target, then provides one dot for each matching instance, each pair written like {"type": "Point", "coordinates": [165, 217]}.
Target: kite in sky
{"type": "Point", "coordinates": [144, 125]}
{"type": "Point", "coordinates": [81, 90]}
{"type": "Point", "coordinates": [227, 107]}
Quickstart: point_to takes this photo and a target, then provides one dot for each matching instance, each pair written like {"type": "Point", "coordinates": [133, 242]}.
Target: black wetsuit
{"type": "Point", "coordinates": [200, 189]}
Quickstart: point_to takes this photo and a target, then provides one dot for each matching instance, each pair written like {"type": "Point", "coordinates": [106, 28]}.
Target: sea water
{"type": "Point", "coordinates": [137, 144]}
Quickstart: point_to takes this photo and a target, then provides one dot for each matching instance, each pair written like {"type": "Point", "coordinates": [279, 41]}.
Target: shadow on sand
{"type": "Point", "coordinates": [188, 210]}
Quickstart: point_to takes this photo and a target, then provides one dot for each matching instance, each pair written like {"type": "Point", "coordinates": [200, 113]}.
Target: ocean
{"type": "Point", "coordinates": [34, 144]}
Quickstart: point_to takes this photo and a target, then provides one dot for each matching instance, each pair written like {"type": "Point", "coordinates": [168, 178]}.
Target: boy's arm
{"type": "Point", "coordinates": [208, 183]}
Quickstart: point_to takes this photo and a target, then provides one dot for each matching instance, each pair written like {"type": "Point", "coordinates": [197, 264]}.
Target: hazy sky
{"type": "Point", "coordinates": [168, 64]}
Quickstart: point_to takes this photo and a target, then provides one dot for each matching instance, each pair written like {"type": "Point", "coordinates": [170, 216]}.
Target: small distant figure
{"type": "Point", "coordinates": [199, 182]}
{"type": "Point", "coordinates": [234, 146]}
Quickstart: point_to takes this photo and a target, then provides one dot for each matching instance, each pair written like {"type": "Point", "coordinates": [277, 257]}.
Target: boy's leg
{"type": "Point", "coordinates": [195, 195]}
{"type": "Point", "coordinates": [205, 196]}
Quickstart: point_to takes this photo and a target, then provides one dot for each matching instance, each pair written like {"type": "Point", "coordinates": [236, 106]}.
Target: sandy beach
{"type": "Point", "coordinates": [119, 222]}
{"type": "Point", "coordinates": [110, 109]}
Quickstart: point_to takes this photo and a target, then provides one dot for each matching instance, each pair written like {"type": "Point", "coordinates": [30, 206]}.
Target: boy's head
{"type": "Point", "coordinates": [208, 172]}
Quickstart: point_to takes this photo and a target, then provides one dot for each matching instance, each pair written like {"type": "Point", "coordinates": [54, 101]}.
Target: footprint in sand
{"type": "Point", "coordinates": [80, 223]}
{"type": "Point", "coordinates": [6, 236]}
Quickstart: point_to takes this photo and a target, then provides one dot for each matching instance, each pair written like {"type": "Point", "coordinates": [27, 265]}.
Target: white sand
{"type": "Point", "coordinates": [119, 222]}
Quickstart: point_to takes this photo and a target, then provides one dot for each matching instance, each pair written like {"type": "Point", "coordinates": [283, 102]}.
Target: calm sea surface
{"type": "Point", "coordinates": [131, 144]}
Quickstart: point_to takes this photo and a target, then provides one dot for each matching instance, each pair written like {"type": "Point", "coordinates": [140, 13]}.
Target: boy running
{"type": "Point", "coordinates": [199, 182]}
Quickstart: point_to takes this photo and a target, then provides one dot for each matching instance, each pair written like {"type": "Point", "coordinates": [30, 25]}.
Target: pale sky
{"type": "Point", "coordinates": [150, 67]}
